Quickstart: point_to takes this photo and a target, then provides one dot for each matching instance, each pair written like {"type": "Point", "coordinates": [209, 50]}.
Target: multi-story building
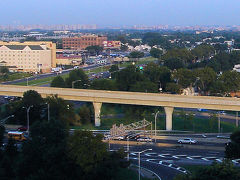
{"type": "Point", "coordinates": [111, 44]}
{"type": "Point", "coordinates": [39, 56]}
{"type": "Point", "coordinates": [80, 43]}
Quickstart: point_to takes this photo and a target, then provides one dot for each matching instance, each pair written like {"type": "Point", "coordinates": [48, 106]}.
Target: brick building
{"type": "Point", "coordinates": [80, 43]}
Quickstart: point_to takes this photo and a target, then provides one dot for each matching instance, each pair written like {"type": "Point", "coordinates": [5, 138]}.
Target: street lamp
{"type": "Point", "coordinates": [75, 82]}
{"type": "Point", "coordinates": [2, 121]}
{"type": "Point", "coordinates": [139, 156]}
{"type": "Point", "coordinates": [156, 126]}
{"type": "Point", "coordinates": [28, 109]}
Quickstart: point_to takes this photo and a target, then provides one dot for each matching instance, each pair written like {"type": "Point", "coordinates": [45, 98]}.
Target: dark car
{"type": "Point", "coordinates": [23, 128]}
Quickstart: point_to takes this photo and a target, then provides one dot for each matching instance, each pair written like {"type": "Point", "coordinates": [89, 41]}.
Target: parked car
{"type": "Point", "coordinates": [144, 139]}
{"type": "Point", "coordinates": [187, 141]}
{"type": "Point", "coordinates": [118, 138]}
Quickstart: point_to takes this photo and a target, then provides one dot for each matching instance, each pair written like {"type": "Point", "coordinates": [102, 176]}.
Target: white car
{"type": "Point", "coordinates": [118, 138]}
{"type": "Point", "coordinates": [144, 139]}
{"type": "Point", "coordinates": [187, 141]}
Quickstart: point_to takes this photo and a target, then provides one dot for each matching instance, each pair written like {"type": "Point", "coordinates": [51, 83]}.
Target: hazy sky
{"type": "Point", "coordinates": [120, 12]}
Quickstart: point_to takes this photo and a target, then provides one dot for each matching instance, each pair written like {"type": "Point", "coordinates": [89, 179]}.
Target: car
{"type": "Point", "coordinates": [118, 138]}
{"type": "Point", "coordinates": [144, 139]}
{"type": "Point", "coordinates": [223, 137]}
{"type": "Point", "coordinates": [22, 128]}
{"type": "Point", "coordinates": [187, 141]}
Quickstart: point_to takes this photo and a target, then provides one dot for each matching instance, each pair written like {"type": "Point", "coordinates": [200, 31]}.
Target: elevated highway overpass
{"type": "Point", "coordinates": [97, 97]}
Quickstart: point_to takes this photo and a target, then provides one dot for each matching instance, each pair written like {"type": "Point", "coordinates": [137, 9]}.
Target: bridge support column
{"type": "Point", "coordinates": [168, 112]}
{"type": "Point", "coordinates": [97, 111]}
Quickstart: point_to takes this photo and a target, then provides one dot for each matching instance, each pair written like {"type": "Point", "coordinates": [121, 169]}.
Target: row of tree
{"type": "Point", "coordinates": [52, 153]}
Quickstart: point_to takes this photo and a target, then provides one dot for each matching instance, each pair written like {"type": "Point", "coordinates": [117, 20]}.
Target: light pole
{"type": "Point", "coordinates": [28, 109]}
{"type": "Point", "coordinates": [219, 122]}
{"type": "Point", "coordinates": [128, 148]}
{"type": "Point", "coordinates": [2, 121]}
{"type": "Point", "coordinates": [75, 82]}
{"type": "Point", "coordinates": [156, 126]}
{"type": "Point", "coordinates": [139, 162]}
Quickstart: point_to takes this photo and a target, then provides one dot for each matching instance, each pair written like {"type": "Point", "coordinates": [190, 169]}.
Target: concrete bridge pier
{"type": "Point", "coordinates": [169, 113]}
{"type": "Point", "coordinates": [97, 111]}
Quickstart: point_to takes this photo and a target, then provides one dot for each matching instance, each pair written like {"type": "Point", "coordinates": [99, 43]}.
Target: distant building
{"type": "Point", "coordinates": [64, 59]}
{"type": "Point", "coordinates": [80, 43]}
{"type": "Point", "coordinates": [39, 56]}
{"type": "Point", "coordinates": [111, 44]}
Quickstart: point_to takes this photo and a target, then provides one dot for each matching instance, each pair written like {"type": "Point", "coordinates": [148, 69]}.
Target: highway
{"type": "Point", "coordinates": [167, 161]}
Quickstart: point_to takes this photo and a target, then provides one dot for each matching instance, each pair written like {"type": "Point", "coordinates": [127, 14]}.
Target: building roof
{"type": "Point", "coordinates": [21, 47]}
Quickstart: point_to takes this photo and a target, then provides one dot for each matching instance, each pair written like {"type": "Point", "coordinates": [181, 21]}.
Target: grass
{"type": "Point", "coordinates": [39, 82]}
{"type": "Point", "coordinates": [115, 114]}
{"type": "Point", "coordinates": [141, 61]}
{"type": "Point", "coordinates": [128, 174]}
{"type": "Point", "coordinates": [15, 76]}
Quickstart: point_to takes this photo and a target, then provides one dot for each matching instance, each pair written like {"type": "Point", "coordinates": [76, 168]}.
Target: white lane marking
{"type": "Point", "coordinates": [236, 161]}
{"type": "Point", "coordinates": [163, 155]}
{"type": "Point", "coordinates": [170, 165]}
{"type": "Point", "coordinates": [219, 160]}
{"type": "Point", "coordinates": [134, 154]}
{"type": "Point", "coordinates": [149, 154]}
{"type": "Point", "coordinates": [189, 158]}
{"type": "Point", "coordinates": [150, 160]}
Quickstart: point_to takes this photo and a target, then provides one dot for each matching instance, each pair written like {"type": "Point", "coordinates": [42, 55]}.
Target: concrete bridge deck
{"type": "Point", "coordinates": [98, 97]}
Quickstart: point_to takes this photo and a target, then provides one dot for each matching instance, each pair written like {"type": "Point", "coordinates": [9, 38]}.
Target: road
{"type": "Point", "coordinates": [167, 162]}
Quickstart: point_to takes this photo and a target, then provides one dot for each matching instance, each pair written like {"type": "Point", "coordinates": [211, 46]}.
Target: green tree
{"type": "Point", "coordinates": [103, 84]}
{"type": "Point", "coordinates": [232, 150]}
{"type": "Point", "coordinates": [184, 77]}
{"type": "Point", "coordinates": [80, 77]}
{"type": "Point", "coordinates": [85, 115]}
{"type": "Point", "coordinates": [60, 110]}
{"type": "Point", "coordinates": [231, 81]}
{"type": "Point", "coordinates": [156, 53]}
{"type": "Point", "coordinates": [113, 70]}
{"type": "Point", "coordinates": [128, 77]}
{"type": "Point", "coordinates": [58, 82]}
{"type": "Point", "coordinates": [174, 63]}
{"type": "Point", "coordinates": [2, 131]}
{"type": "Point", "coordinates": [4, 70]}
{"type": "Point", "coordinates": [205, 79]}
{"type": "Point", "coordinates": [144, 86]}
{"type": "Point", "coordinates": [173, 88]}
{"type": "Point", "coordinates": [136, 54]}
{"type": "Point", "coordinates": [94, 50]}
{"type": "Point", "coordinates": [203, 51]}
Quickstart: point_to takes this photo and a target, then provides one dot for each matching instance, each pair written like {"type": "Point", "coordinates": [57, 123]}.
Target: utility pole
{"type": "Point", "coordinates": [219, 122]}
{"type": "Point", "coordinates": [237, 119]}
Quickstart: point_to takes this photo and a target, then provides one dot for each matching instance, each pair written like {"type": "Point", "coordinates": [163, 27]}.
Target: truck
{"type": "Point", "coordinates": [56, 70]}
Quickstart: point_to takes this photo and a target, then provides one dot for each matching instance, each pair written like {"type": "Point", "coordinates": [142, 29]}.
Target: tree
{"type": "Point", "coordinates": [80, 77]}
{"type": "Point", "coordinates": [90, 153]}
{"type": "Point", "coordinates": [4, 70]}
{"type": "Point", "coordinates": [31, 99]}
{"type": "Point", "coordinates": [45, 154]}
{"type": "Point", "coordinates": [136, 54]}
{"type": "Point", "coordinates": [2, 130]}
{"type": "Point", "coordinates": [85, 115]}
{"type": "Point", "coordinates": [156, 53]}
{"type": "Point", "coordinates": [58, 82]}
{"type": "Point", "coordinates": [184, 77]}
{"type": "Point", "coordinates": [205, 79]}
{"type": "Point", "coordinates": [94, 50]}
{"type": "Point", "coordinates": [128, 77]}
{"type": "Point", "coordinates": [181, 54]}
{"type": "Point", "coordinates": [174, 63]}
{"type": "Point", "coordinates": [173, 88]}
{"type": "Point", "coordinates": [103, 84]}
{"type": "Point", "coordinates": [203, 51]}
{"type": "Point", "coordinates": [144, 86]}
{"type": "Point", "coordinates": [158, 75]}
{"type": "Point", "coordinates": [232, 149]}
{"type": "Point", "coordinates": [61, 110]}
{"type": "Point", "coordinates": [113, 70]}
{"type": "Point", "coordinates": [217, 171]}
{"type": "Point", "coordinates": [231, 81]}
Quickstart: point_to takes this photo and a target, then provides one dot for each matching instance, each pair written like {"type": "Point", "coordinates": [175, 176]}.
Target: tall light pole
{"type": "Point", "coordinates": [139, 162]}
{"type": "Point", "coordinates": [156, 126]}
{"type": "Point", "coordinates": [75, 82]}
{"type": "Point", "coordinates": [2, 121]}
{"type": "Point", "coordinates": [28, 109]}
{"type": "Point", "coordinates": [128, 148]}
{"type": "Point", "coordinates": [219, 122]}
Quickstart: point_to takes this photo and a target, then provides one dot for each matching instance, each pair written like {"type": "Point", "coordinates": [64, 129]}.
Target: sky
{"type": "Point", "coordinates": [120, 12]}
